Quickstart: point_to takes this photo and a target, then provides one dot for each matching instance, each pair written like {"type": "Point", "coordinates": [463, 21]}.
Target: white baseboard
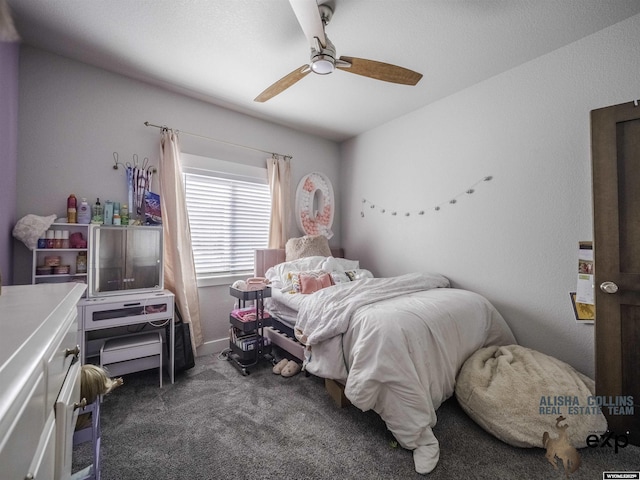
{"type": "Point", "coordinates": [212, 347]}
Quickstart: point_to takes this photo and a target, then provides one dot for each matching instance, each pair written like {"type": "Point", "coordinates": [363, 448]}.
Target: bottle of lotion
{"type": "Point", "coordinates": [84, 212]}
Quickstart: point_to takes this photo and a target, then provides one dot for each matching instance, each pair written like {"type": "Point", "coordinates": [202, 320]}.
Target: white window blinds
{"type": "Point", "coordinates": [229, 219]}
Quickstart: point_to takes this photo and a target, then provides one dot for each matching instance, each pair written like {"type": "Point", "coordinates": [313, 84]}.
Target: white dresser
{"type": "Point", "coordinates": [39, 379]}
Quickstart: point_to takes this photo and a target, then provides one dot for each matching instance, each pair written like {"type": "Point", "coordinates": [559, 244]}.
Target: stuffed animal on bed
{"type": "Point", "coordinates": [94, 381]}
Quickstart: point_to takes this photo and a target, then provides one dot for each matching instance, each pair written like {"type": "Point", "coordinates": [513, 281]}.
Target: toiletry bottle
{"type": "Point", "coordinates": [108, 212]}
{"type": "Point", "coordinates": [97, 213]}
{"type": "Point", "coordinates": [65, 239]}
{"type": "Point", "coordinates": [81, 262]}
{"type": "Point", "coordinates": [50, 236]}
{"type": "Point", "coordinates": [116, 217]}
{"type": "Point", "coordinates": [72, 205]}
{"type": "Point", "coordinates": [57, 239]}
{"type": "Point", "coordinates": [124, 214]}
{"type": "Point", "coordinates": [84, 212]}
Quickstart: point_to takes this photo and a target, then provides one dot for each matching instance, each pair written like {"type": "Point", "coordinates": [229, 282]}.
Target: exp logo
{"type": "Point", "coordinates": [608, 439]}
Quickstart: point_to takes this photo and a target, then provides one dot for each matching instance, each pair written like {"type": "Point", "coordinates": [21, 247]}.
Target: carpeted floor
{"type": "Point", "coordinates": [214, 423]}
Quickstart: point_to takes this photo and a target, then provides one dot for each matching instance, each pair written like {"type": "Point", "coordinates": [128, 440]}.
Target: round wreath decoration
{"type": "Point", "coordinates": [315, 187]}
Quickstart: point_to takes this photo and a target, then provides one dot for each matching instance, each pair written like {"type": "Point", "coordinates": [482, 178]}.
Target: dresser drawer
{"type": "Point", "coordinates": [22, 425]}
{"type": "Point", "coordinates": [66, 410]}
{"type": "Point", "coordinates": [44, 458]}
{"type": "Point", "coordinates": [63, 353]}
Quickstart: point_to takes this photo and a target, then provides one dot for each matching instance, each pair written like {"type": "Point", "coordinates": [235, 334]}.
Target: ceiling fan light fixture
{"type": "Point", "coordinates": [323, 57]}
{"type": "Point", "coordinates": [323, 64]}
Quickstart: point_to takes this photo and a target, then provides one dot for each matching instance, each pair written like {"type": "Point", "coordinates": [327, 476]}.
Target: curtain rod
{"type": "Point", "coordinates": [219, 141]}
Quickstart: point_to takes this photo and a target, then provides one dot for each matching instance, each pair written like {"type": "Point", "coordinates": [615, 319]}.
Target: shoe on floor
{"type": "Point", "coordinates": [291, 369]}
{"type": "Point", "coordinates": [277, 369]}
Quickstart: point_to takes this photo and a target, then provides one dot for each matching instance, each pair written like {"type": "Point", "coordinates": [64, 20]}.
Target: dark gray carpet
{"type": "Point", "coordinates": [214, 423]}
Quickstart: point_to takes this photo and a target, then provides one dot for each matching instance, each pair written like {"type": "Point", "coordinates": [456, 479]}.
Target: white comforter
{"type": "Point", "coordinates": [397, 344]}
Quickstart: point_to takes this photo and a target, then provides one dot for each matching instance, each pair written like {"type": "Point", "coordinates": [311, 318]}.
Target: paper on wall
{"type": "Point", "coordinates": [584, 290]}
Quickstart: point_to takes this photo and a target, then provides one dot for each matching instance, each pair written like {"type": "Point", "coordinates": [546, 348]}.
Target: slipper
{"type": "Point", "coordinates": [277, 369]}
{"type": "Point", "coordinates": [290, 369]}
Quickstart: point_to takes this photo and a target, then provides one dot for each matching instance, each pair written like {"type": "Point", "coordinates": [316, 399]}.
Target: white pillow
{"type": "Point", "coordinates": [279, 272]}
{"type": "Point", "coordinates": [330, 265]}
{"type": "Point", "coordinates": [31, 227]}
{"type": "Point", "coordinates": [348, 264]}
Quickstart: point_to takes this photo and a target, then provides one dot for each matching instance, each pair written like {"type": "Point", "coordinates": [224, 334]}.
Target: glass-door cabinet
{"type": "Point", "coordinates": [125, 259]}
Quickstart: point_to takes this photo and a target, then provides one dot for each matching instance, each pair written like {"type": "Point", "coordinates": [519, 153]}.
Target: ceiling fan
{"type": "Point", "coordinates": [313, 18]}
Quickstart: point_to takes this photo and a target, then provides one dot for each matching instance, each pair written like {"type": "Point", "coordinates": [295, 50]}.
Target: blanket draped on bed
{"type": "Point", "coordinates": [338, 305]}
{"type": "Point", "coordinates": [398, 344]}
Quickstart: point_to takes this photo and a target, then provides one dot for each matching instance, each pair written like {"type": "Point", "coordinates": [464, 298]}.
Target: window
{"type": "Point", "coordinates": [229, 208]}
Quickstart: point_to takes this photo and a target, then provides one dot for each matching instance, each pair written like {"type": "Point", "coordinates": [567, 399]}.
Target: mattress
{"type": "Point", "coordinates": [287, 313]}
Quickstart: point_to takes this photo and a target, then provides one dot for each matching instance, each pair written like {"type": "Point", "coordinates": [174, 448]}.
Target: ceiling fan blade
{"type": "Point", "coordinates": [284, 83]}
{"type": "Point", "coordinates": [309, 18]}
{"type": "Point", "coordinates": [379, 70]}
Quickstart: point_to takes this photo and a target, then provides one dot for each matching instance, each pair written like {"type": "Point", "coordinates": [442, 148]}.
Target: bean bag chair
{"type": "Point", "coordinates": [517, 394]}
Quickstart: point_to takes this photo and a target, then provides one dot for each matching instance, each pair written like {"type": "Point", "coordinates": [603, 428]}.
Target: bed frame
{"type": "Point", "coordinates": [281, 334]}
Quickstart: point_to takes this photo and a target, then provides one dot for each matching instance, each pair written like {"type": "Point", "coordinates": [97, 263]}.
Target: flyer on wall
{"type": "Point", "coordinates": [583, 300]}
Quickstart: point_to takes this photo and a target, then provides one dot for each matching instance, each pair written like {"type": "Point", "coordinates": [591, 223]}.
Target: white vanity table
{"type": "Point", "coordinates": [99, 314]}
{"type": "Point", "coordinates": [40, 378]}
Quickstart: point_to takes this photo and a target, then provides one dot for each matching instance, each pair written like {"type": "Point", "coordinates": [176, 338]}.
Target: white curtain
{"type": "Point", "coordinates": [179, 267]}
{"type": "Point", "coordinates": [279, 172]}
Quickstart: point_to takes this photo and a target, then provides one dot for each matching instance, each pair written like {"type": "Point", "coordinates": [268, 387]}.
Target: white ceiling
{"type": "Point", "coordinates": [228, 51]}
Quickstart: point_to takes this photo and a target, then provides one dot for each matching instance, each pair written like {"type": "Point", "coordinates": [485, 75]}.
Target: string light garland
{"type": "Point", "coordinates": [453, 200]}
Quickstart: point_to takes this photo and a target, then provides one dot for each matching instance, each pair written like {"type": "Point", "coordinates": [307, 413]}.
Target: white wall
{"type": "Point", "coordinates": [515, 239]}
{"type": "Point", "coordinates": [73, 117]}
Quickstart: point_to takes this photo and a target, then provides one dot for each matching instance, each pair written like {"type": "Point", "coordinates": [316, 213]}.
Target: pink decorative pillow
{"type": "Point", "coordinates": [310, 282]}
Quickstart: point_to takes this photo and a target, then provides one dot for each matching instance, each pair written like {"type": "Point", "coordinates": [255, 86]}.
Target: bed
{"type": "Point", "coordinates": [281, 330]}
{"type": "Point", "coordinates": [396, 344]}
